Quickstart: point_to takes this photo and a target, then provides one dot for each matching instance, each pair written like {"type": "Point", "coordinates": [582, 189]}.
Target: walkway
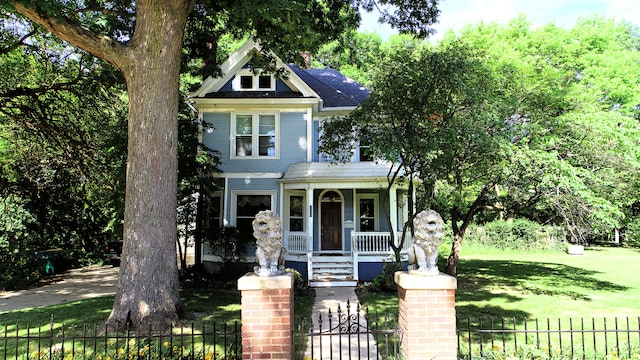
{"type": "Point", "coordinates": [337, 346]}
{"type": "Point", "coordinates": [74, 285]}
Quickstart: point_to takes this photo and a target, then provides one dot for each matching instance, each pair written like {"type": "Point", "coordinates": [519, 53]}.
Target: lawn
{"type": "Point", "coordinates": [203, 306]}
{"type": "Point", "coordinates": [605, 281]}
{"type": "Point", "coordinates": [509, 290]}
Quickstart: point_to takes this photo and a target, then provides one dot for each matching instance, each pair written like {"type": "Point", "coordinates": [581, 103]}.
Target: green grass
{"type": "Point", "coordinates": [602, 283]}
{"type": "Point", "coordinates": [208, 306]}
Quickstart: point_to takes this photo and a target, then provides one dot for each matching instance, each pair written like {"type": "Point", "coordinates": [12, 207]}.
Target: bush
{"type": "Point", "coordinates": [385, 281]}
{"type": "Point", "coordinates": [632, 234]}
{"type": "Point", "coordinates": [519, 234]}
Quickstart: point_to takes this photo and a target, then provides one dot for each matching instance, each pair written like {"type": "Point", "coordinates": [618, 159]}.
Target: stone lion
{"type": "Point", "coordinates": [267, 230]}
{"type": "Point", "coordinates": [423, 253]}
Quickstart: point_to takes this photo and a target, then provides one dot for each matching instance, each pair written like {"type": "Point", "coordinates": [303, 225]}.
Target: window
{"type": "Point", "coordinates": [264, 82]}
{"type": "Point", "coordinates": [256, 136]}
{"type": "Point", "coordinates": [367, 211]}
{"type": "Point", "coordinates": [247, 206]}
{"type": "Point", "coordinates": [365, 152]}
{"type": "Point", "coordinates": [246, 80]}
{"type": "Point", "coordinates": [296, 213]}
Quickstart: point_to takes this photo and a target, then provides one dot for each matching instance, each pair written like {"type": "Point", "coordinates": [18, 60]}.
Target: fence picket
{"type": "Point", "coordinates": [490, 337]}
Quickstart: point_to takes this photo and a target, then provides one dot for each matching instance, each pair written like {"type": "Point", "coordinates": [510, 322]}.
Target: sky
{"type": "Point", "coordinates": [564, 13]}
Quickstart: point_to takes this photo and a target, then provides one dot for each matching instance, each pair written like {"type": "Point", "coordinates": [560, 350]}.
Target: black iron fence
{"type": "Point", "coordinates": [194, 340]}
{"type": "Point", "coordinates": [594, 338]}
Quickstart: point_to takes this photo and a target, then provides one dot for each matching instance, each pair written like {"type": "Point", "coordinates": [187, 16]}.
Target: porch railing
{"type": "Point", "coordinates": [375, 243]}
{"type": "Point", "coordinates": [295, 242]}
{"type": "Point", "coordinates": [364, 243]}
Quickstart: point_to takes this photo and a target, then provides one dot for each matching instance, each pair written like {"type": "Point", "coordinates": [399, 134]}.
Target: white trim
{"type": "Point", "coordinates": [255, 80]}
{"type": "Point", "coordinates": [376, 210]}
{"type": "Point", "coordinates": [287, 209]}
{"type": "Point", "coordinates": [227, 104]}
{"type": "Point", "coordinates": [244, 175]}
{"type": "Point", "coordinates": [342, 201]}
{"type": "Point", "coordinates": [234, 201]}
{"type": "Point", "coordinates": [255, 135]}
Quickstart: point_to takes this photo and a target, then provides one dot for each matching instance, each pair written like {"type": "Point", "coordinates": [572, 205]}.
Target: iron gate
{"type": "Point", "coordinates": [348, 334]}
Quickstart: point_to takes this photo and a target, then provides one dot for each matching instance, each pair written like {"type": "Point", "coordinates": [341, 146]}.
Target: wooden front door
{"type": "Point", "coordinates": [331, 226]}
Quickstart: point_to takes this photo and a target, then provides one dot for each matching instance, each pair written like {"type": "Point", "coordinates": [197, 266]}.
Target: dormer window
{"type": "Point", "coordinates": [246, 80]}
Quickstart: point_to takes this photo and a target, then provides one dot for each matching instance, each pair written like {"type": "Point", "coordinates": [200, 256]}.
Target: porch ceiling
{"type": "Point", "coordinates": [326, 171]}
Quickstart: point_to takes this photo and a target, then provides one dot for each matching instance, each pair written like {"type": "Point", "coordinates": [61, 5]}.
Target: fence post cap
{"type": "Point", "coordinates": [413, 281]}
{"type": "Point", "coordinates": [251, 281]}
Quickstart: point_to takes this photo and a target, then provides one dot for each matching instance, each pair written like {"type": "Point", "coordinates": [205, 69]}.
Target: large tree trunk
{"type": "Point", "coordinates": [148, 287]}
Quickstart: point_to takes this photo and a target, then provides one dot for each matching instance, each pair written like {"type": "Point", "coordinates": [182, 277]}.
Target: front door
{"type": "Point", "coordinates": [331, 226]}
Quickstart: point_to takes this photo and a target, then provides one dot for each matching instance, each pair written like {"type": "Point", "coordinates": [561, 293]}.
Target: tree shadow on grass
{"type": "Point", "coordinates": [485, 280]}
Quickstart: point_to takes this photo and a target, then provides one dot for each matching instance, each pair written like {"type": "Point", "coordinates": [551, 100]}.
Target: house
{"type": "Point", "coordinates": [334, 215]}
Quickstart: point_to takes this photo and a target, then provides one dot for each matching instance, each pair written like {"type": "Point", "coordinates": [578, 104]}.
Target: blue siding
{"type": "Point", "coordinates": [281, 86]}
{"type": "Point", "coordinates": [218, 137]}
{"type": "Point", "coordinates": [228, 87]}
{"type": "Point", "coordinates": [367, 271]}
{"type": "Point", "coordinates": [301, 266]}
{"type": "Point", "coordinates": [293, 143]}
{"type": "Point", "coordinates": [315, 140]}
{"type": "Point", "coordinates": [293, 138]}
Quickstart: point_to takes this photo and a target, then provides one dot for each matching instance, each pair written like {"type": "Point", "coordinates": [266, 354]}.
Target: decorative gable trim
{"type": "Point", "coordinates": [234, 64]}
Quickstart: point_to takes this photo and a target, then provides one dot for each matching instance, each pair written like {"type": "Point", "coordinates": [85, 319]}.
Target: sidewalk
{"type": "Point", "coordinates": [76, 284]}
{"type": "Point", "coordinates": [333, 345]}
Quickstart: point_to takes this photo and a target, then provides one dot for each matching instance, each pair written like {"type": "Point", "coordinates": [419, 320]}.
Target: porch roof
{"type": "Point", "coordinates": [323, 171]}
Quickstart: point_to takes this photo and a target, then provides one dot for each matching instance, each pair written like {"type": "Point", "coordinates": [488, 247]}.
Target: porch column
{"type": "Point", "coordinates": [267, 316]}
{"type": "Point", "coordinates": [393, 211]}
{"type": "Point", "coordinates": [427, 316]}
{"type": "Point", "coordinates": [310, 222]}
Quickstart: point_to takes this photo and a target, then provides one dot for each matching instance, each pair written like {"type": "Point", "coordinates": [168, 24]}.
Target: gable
{"type": "Point", "coordinates": [236, 65]}
{"type": "Point", "coordinates": [327, 88]}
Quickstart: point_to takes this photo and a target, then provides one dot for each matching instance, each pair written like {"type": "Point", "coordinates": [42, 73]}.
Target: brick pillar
{"type": "Point", "coordinates": [427, 316]}
{"type": "Point", "coordinates": [267, 316]}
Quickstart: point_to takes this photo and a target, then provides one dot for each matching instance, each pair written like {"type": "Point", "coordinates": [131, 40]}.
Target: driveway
{"type": "Point", "coordinates": [76, 284]}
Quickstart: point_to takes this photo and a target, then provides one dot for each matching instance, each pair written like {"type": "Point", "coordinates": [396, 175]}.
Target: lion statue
{"type": "Point", "coordinates": [423, 253]}
{"type": "Point", "coordinates": [267, 229]}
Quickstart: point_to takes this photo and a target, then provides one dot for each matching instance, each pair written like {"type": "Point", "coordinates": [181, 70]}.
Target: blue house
{"type": "Point", "coordinates": [267, 128]}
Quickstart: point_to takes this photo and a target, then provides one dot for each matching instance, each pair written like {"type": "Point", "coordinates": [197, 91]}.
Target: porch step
{"type": "Point", "coordinates": [328, 271]}
{"type": "Point", "coordinates": [333, 283]}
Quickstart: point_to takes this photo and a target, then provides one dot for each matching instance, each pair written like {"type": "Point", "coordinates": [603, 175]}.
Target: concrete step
{"type": "Point", "coordinates": [332, 265]}
{"type": "Point", "coordinates": [333, 272]}
{"type": "Point", "coordinates": [331, 259]}
{"type": "Point", "coordinates": [332, 283]}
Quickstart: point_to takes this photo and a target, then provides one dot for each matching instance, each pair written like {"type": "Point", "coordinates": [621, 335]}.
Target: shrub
{"type": "Point", "coordinates": [519, 234]}
{"type": "Point", "coordinates": [632, 234]}
{"type": "Point", "coordinates": [385, 281]}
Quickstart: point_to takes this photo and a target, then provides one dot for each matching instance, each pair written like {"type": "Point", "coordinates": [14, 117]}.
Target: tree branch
{"type": "Point", "coordinates": [102, 47]}
{"type": "Point", "coordinates": [20, 42]}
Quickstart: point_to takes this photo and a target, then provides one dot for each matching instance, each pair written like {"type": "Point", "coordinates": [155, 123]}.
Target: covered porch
{"type": "Point", "coordinates": [369, 251]}
{"type": "Point", "coordinates": [338, 220]}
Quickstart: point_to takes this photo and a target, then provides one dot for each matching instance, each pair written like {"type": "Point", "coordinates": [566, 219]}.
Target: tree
{"type": "Point", "coordinates": [433, 112]}
{"type": "Point", "coordinates": [62, 173]}
{"type": "Point", "coordinates": [143, 39]}
{"type": "Point", "coordinates": [577, 163]}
